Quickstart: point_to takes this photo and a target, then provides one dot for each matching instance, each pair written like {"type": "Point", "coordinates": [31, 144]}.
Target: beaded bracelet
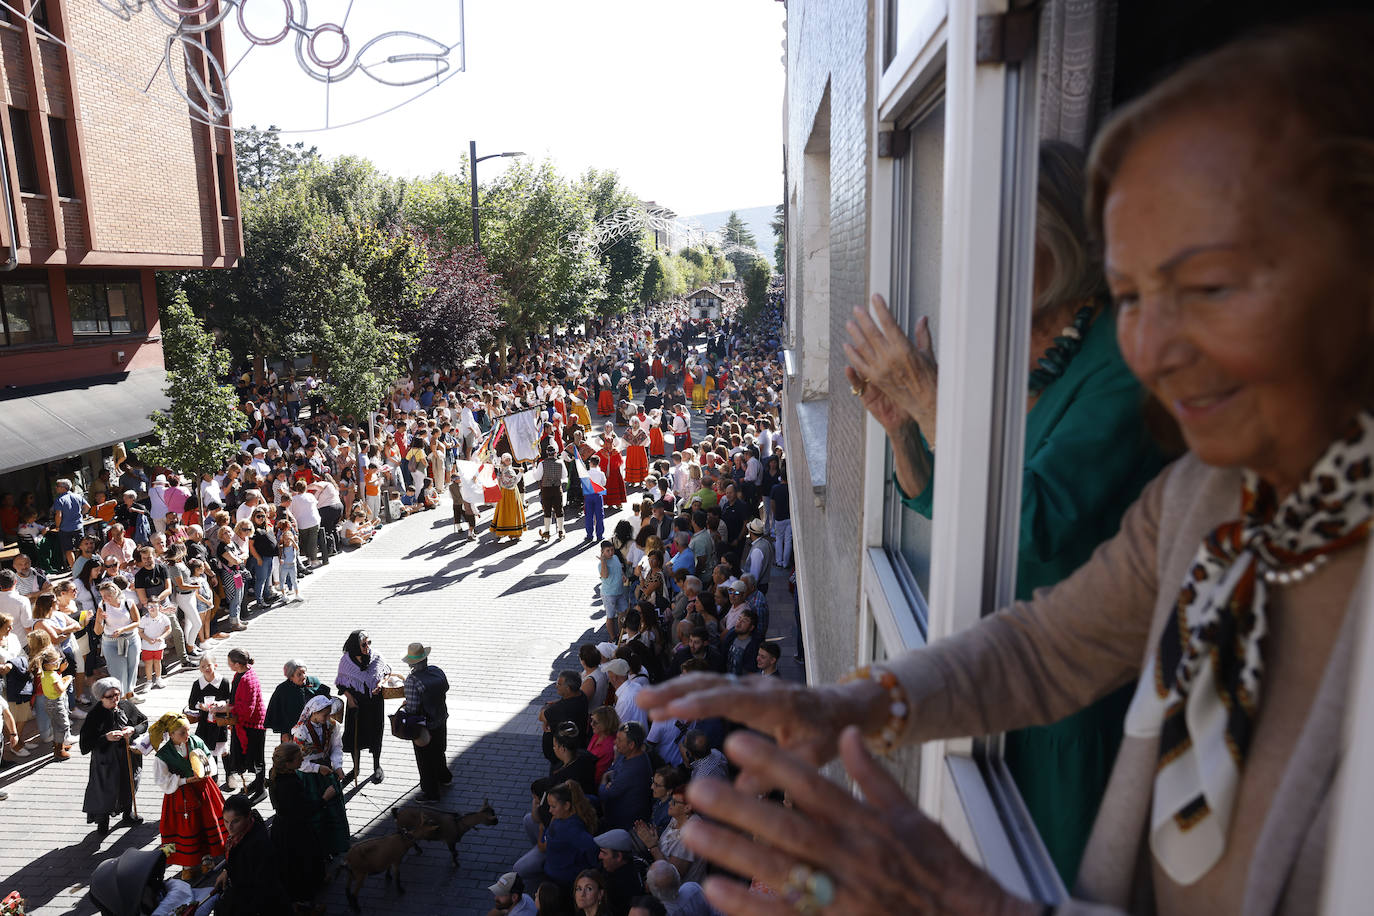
{"type": "Point", "coordinates": [897, 709]}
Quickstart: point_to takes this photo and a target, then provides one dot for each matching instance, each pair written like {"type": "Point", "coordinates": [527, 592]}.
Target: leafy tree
{"type": "Point", "coordinates": [625, 259]}
{"type": "Point", "coordinates": [196, 434]}
{"type": "Point", "coordinates": [363, 357]}
{"type": "Point", "coordinates": [263, 159]}
{"type": "Point", "coordinates": [736, 232]}
{"type": "Point", "coordinates": [755, 279]}
{"type": "Point", "coordinates": [460, 315]}
{"type": "Point", "coordinates": [700, 267]}
{"type": "Point", "coordinates": [440, 208]}
{"type": "Point", "coordinates": [779, 227]}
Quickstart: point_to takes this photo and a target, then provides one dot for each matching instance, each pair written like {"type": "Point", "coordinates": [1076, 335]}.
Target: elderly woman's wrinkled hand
{"type": "Point", "coordinates": [830, 851]}
{"type": "Point", "coordinates": [805, 720]}
{"type": "Point", "coordinates": [882, 356]}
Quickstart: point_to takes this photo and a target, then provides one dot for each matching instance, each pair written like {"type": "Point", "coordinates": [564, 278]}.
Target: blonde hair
{"type": "Point", "coordinates": [607, 719]}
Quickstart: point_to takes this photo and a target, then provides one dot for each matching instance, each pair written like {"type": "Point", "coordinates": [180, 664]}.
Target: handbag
{"type": "Point", "coordinates": [407, 724]}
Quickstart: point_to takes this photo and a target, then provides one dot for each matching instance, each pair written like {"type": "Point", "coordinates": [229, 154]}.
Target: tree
{"type": "Point", "coordinates": [460, 315]}
{"type": "Point", "coordinates": [263, 159]}
{"type": "Point", "coordinates": [779, 227]}
{"type": "Point", "coordinates": [363, 357]}
{"type": "Point", "coordinates": [196, 434]}
{"type": "Point", "coordinates": [626, 258]}
{"type": "Point", "coordinates": [735, 232]}
{"type": "Point", "coordinates": [755, 279]}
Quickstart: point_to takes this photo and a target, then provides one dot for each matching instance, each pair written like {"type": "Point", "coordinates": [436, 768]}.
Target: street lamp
{"type": "Point", "coordinates": [472, 164]}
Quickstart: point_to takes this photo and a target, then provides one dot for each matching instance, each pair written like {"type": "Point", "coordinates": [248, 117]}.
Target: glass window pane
{"type": "Point", "coordinates": [88, 313]}
{"type": "Point", "coordinates": [28, 313]}
{"type": "Point", "coordinates": [133, 304]}
{"type": "Point", "coordinates": [25, 162]}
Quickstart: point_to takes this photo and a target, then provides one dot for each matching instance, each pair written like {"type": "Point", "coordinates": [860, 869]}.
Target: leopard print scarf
{"type": "Point", "coordinates": [1200, 693]}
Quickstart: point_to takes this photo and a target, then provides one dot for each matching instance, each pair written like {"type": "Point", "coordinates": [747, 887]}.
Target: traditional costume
{"type": "Point", "coordinates": [682, 431]}
{"type": "Point", "coordinates": [249, 734]}
{"type": "Point", "coordinates": [191, 802]}
{"type": "Point", "coordinates": [572, 453]}
{"type": "Point", "coordinates": [580, 411]}
{"type": "Point", "coordinates": [605, 399]}
{"type": "Point", "coordinates": [510, 509]}
{"type": "Point", "coordinates": [611, 464]}
{"type": "Point", "coordinates": [205, 693]}
{"type": "Point", "coordinates": [657, 449]}
{"type": "Point", "coordinates": [636, 454]}
{"type": "Point", "coordinates": [553, 476]}
{"type": "Point", "coordinates": [115, 766]}
{"type": "Point", "coordinates": [360, 678]}
{"type": "Point", "coordinates": [322, 744]}
{"type": "Point", "coordinates": [699, 390]}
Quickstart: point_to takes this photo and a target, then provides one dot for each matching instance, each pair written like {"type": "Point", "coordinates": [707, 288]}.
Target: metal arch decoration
{"type": "Point", "coordinates": [630, 220]}
{"type": "Point", "coordinates": [396, 58]}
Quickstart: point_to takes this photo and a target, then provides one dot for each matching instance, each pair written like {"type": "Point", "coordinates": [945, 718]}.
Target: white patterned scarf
{"type": "Point", "coordinates": [1199, 694]}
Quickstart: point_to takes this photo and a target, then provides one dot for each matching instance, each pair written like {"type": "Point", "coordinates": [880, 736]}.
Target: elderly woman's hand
{"type": "Point", "coordinates": [804, 720]}
{"type": "Point", "coordinates": [831, 851]}
{"type": "Point", "coordinates": [882, 356]}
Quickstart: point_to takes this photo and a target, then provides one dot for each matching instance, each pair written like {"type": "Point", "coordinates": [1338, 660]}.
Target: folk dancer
{"type": "Point", "coordinates": [553, 476]}
{"type": "Point", "coordinates": [510, 510]}
{"type": "Point", "coordinates": [192, 804]}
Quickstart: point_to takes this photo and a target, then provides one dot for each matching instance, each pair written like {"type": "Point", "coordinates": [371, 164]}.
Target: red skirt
{"type": "Point", "coordinates": [605, 403]}
{"type": "Point", "coordinates": [562, 409]}
{"type": "Point", "coordinates": [191, 823]}
{"type": "Point", "coordinates": [636, 464]}
{"type": "Point", "coordinates": [656, 442]}
{"type": "Point", "coordinates": [615, 487]}
{"type": "Point", "coordinates": [657, 370]}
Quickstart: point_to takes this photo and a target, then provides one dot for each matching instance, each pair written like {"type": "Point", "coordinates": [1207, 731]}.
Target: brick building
{"type": "Point", "coordinates": [103, 183]}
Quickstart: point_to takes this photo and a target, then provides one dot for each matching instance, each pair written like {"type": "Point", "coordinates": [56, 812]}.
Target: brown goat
{"type": "Point", "coordinates": [383, 854]}
{"type": "Point", "coordinates": [451, 828]}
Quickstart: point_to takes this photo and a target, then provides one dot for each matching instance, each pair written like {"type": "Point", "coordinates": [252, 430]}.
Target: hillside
{"type": "Point", "coordinates": [756, 218]}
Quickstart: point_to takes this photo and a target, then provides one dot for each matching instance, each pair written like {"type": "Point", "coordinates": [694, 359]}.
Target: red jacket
{"type": "Point", "coordinates": [249, 709]}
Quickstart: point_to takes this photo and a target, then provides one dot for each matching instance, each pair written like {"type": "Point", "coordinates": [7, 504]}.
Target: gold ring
{"type": "Point", "coordinates": [809, 890]}
{"type": "Point", "coordinates": [859, 389]}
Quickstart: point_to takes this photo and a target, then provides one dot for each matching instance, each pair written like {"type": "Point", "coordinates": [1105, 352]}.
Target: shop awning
{"type": "Point", "coordinates": [46, 422]}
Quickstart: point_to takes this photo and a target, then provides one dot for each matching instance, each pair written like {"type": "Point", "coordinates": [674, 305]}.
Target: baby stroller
{"type": "Point", "coordinates": [133, 885]}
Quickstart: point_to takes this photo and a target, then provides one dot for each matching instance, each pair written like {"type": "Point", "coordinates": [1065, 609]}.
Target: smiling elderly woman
{"type": "Point", "coordinates": [1236, 201]}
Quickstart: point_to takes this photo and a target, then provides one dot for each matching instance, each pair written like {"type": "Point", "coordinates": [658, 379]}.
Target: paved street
{"type": "Point", "coordinates": [502, 622]}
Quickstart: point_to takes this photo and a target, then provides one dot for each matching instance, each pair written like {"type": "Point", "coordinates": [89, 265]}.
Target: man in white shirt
{"type": "Point", "coordinates": [593, 502]}
{"type": "Point", "coordinates": [260, 462]}
{"type": "Point", "coordinates": [251, 500]}
{"type": "Point", "coordinates": [627, 687]}
{"type": "Point", "coordinates": [13, 603]}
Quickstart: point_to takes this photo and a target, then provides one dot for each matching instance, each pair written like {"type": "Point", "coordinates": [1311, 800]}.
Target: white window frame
{"type": "Point", "coordinates": [986, 273]}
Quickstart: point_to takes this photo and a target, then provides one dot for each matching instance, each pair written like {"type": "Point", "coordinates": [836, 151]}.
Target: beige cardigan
{"type": "Point", "coordinates": [1043, 659]}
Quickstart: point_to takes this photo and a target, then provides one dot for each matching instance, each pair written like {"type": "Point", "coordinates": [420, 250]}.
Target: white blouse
{"type": "Point", "coordinates": [169, 782]}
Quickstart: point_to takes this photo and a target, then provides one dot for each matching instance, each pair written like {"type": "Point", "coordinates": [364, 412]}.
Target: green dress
{"type": "Point", "coordinates": [1088, 456]}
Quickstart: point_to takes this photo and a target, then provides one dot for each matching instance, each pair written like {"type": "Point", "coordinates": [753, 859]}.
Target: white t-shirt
{"type": "Point", "coordinates": [305, 509]}
{"type": "Point", "coordinates": [597, 476]}
{"type": "Point", "coordinates": [153, 629]}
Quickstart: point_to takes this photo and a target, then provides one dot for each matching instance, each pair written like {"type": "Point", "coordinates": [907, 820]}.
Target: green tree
{"type": "Point", "coordinates": [626, 258]}
{"type": "Point", "coordinates": [779, 227]}
{"type": "Point", "coordinates": [363, 357]}
{"type": "Point", "coordinates": [736, 232]}
{"type": "Point", "coordinates": [196, 434]}
{"type": "Point", "coordinates": [263, 160]}
{"type": "Point", "coordinates": [755, 279]}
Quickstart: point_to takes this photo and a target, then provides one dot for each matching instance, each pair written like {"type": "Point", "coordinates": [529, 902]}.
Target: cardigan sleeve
{"type": "Point", "coordinates": [1040, 660]}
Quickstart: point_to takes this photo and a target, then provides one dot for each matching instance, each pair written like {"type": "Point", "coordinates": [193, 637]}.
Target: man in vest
{"type": "Point", "coordinates": [553, 475]}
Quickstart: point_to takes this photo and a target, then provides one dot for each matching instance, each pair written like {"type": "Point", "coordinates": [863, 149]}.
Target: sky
{"type": "Point", "coordinates": [683, 98]}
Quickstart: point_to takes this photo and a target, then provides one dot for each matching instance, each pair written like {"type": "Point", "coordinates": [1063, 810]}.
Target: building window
{"type": "Point", "coordinates": [223, 180]}
{"type": "Point", "coordinates": [105, 308]}
{"type": "Point", "coordinates": [27, 314]}
{"type": "Point", "coordinates": [25, 162]}
{"type": "Point", "coordinates": [61, 157]}
{"type": "Point", "coordinates": [40, 13]}
{"type": "Point", "coordinates": [917, 213]}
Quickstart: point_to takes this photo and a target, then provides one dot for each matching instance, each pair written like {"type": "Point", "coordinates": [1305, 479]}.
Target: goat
{"type": "Point", "coordinates": [451, 829]}
{"type": "Point", "coordinates": [383, 854]}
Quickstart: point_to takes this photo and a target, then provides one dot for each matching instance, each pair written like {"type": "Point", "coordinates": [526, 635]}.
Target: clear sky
{"type": "Point", "coordinates": [682, 97]}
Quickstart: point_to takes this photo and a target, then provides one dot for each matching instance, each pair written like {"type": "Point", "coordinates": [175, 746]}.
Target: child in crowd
{"type": "Point", "coordinates": [54, 685]}
{"type": "Point", "coordinates": [286, 547]}
{"type": "Point", "coordinates": [153, 628]}
{"type": "Point", "coordinates": [356, 531]}
{"type": "Point", "coordinates": [429, 496]}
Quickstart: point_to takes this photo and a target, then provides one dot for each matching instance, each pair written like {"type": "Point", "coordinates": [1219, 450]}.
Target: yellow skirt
{"type": "Point", "coordinates": [584, 416]}
{"type": "Point", "coordinates": [510, 515]}
{"type": "Point", "coordinates": [699, 397]}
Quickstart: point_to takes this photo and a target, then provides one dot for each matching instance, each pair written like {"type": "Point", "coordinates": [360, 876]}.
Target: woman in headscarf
{"type": "Point", "coordinates": [655, 424]}
{"type": "Point", "coordinates": [290, 696]}
{"type": "Point", "coordinates": [360, 684]}
{"type": "Point", "coordinates": [580, 413]}
{"type": "Point", "coordinates": [191, 801]}
{"type": "Point", "coordinates": [301, 857]}
{"type": "Point", "coordinates": [611, 462]}
{"type": "Point", "coordinates": [510, 509]}
{"type": "Point", "coordinates": [321, 741]}
{"type": "Point", "coordinates": [636, 453]}
{"type": "Point", "coordinates": [106, 735]}
{"type": "Point", "coordinates": [605, 398]}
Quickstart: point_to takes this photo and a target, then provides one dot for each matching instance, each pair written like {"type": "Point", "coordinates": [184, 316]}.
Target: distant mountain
{"type": "Point", "coordinates": [758, 219]}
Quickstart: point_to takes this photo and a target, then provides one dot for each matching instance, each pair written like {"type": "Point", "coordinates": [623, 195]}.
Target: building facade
{"type": "Point", "coordinates": [104, 183]}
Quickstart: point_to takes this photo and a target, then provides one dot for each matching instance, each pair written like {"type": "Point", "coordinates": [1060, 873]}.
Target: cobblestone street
{"type": "Point", "coordinates": [502, 622]}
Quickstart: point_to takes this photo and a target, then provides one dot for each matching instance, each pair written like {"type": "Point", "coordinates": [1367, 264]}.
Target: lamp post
{"type": "Point", "coordinates": [473, 159]}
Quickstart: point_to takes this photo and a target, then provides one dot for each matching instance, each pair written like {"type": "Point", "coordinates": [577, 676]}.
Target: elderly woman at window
{"type": "Point", "coordinates": [1236, 201]}
{"type": "Point", "coordinates": [1088, 456]}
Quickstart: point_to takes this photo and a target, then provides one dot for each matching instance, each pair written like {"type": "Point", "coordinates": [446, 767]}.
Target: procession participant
{"type": "Point", "coordinates": [210, 693]}
{"type": "Point", "coordinates": [579, 409]}
{"type": "Point", "coordinates": [106, 735]}
{"type": "Point", "coordinates": [593, 500]}
{"type": "Point", "coordinates": [321, 741]}
{"type": "Point", "coordinates": [611, 463]}
{"type": "Point", "coordinates": [290, 696]}
{"type": "Point", "coordinates": [553, 476]}
{"type": "Point", "coordinates": [300, 854]}
{"type": "Point", "coordinates": [426, 695]}
{"type": "Point", "coordinates": [605, 398]}
{"type": "Point", "coordinates": [572, 453]}
{"type": "Point", "coordinates": [655, 424]}
{"type": "Point", "coordinates": [636, 453]}
{"type": "Point", "coordinates": [682, 429]}
{"type": "Point", "coordinates": [509, 520]}
{"type": "Point", "coordinates": [249, 711]}
{"type": "Point", "coordinates": [359, 680]}
{"type": "Point", "coordinates": [466, 494]}
{"type": "Point", "coordinates": [191, 801]}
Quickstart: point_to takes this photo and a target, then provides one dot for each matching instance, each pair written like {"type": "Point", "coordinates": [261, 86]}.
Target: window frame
{"type": "Point", "coordinates": [105, 285]}
{"type": "Point", "coordinates": [64, 174]}
{"type": "Point", "coordinates": [5, 344]}
{"type": "Point", "coordinates": [25, 152]}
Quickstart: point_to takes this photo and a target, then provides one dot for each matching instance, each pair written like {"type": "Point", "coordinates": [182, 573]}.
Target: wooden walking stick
{"type": "Point", "coordinates": [133, 790]}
